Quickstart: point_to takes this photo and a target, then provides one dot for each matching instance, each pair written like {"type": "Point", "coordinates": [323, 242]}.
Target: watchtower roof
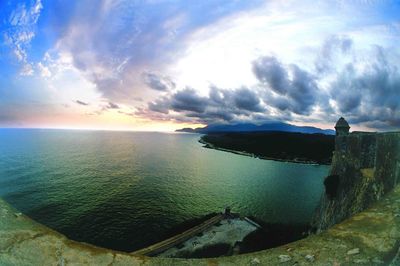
{"type": "Point", "coordinates": [342, 123]}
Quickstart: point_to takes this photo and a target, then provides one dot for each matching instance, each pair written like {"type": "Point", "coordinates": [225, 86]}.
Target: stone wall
{"type": "Point", "coordinates": [365, 166]}
{"type": "Point", "coordinates": [367, 238]}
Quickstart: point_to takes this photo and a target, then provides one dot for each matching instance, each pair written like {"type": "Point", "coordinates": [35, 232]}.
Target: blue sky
{"type": "Point", "coordinates": [162, 65]}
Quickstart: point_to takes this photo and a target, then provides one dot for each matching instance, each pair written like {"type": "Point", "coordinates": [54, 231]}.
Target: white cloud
{"type": "Point", "coordinates": [222, 53]}
{"type": "Point", "coordinates": [21, 31]}
{"type": "Point", "coordinates": [114, 51]}
{"type": "Point", "coordinates": [44, 70]}
{"type": "Point", "coordinates": [26, 70]}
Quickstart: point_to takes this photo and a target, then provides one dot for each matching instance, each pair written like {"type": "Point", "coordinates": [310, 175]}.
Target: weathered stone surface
{"type": "Point", "coordinates": [365, 166]}
{"type": "Point", "coordinates": [375, 232]}
{"type": "Point", "coordinates": [353, 251]}
{"type": "Point", "coordinates": [284, 258]}
{"type": "Point", "coordinates": [310, 258]}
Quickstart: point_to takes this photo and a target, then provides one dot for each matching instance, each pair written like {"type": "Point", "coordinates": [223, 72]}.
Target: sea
{"type": "Point", "coordinates": [125, 190]}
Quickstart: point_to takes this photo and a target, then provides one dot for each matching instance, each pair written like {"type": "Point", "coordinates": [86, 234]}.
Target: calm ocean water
{"type": "Point", "coordinates": [123, 190]}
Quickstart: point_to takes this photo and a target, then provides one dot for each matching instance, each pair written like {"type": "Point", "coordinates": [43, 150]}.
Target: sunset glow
{"type": "Point", "coordinates": [164, 65]}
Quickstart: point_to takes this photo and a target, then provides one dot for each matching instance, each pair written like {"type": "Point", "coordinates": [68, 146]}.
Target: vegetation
{"type": "Point", "coordinates": [287, 146]}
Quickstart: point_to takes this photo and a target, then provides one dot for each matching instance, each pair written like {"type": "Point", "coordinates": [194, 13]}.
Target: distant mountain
{"type": "Point", "coordinates": [248, 127]}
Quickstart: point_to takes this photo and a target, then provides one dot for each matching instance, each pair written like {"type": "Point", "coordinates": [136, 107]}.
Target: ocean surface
{"type": "Point", "coordinates": [124, 190]}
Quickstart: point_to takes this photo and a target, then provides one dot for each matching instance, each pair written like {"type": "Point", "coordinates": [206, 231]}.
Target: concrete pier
{"type": "Point", "coordinates": [177, 239]}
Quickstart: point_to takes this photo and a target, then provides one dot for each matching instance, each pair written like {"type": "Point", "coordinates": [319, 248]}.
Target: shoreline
{"type": "Point", "coordinates": [212, 146]}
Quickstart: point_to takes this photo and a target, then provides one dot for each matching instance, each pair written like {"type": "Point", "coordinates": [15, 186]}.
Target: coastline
{"type": "Point", "coordinates": [212, 146]}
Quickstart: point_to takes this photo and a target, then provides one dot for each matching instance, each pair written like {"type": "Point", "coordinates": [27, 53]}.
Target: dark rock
{"type": "Point", "coordinates": [331, 184]}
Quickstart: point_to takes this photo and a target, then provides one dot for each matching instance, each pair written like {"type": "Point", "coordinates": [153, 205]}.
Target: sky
{"type": "Point", "coordinates": [159, 65]}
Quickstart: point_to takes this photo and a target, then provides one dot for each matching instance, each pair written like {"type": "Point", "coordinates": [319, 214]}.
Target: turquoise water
{"type": "Point", "coordinates": [124, 190]}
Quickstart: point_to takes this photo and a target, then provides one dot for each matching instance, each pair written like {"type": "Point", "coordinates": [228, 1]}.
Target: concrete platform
{"type": "Point", "coordinates": [227, 232]}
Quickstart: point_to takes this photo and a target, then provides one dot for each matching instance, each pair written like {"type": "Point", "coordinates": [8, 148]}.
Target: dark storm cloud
{"type": "Point", "coordinates": [219, 105]}
{"type": "Point", "coordinates": [347, 90]}
{"type": "Point", "coordinates": [333, 47]}
{"type": "Point", "coordinates": [218, 115]}
{"type": "Point", "coordinates": [294, 89]}
{"type": "Point", "coordinates": [113, 42]}
{"type": "Point", "coordinates": [111, 105]}
{"type": "Point", "coordinates": [161, 105]}
{"type": "Point", "coordinates": [247, 100]}
{"type": "Point", "coordinates": [370, 94]}
{"type": "Point", "coordinates": [364, 88]}
{"type": "Point", "coordinates": [269, 71]}
{"type": "Point", "coordinates": [238, 101]}
{"type": "Point", "coordinates": [188, 100]}
{"type": "Point", "coordinates": [158, 82]}
{"type": "Point", "coordinates": [81, 102]}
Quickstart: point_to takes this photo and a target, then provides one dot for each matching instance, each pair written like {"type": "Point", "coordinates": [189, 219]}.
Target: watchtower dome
{"type": "Point", "coordinates": [342, 127]}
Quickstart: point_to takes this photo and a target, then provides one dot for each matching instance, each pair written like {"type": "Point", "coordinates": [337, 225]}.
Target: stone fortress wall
{"type": "Point", "coordinates": [365, 166]}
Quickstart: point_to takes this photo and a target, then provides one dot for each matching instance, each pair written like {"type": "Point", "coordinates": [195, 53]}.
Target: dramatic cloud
{"type": "Point", "coordinates": [133, 63]}
{"type": "Point", "coordinates": [369, 90]}
{"type": "Point", "coordinates": [366, 91]}
{"type": "Point", "coordinates": [114, 42]}
{"type": "Point", "coordinates": [160, 105]}
{"type": "Point", "coordinates": [111, 105]}
{"type": "Point", "coordinates": [188, 100]}
{"type": "Point", "coordinates": [287, 87]}
{"type": "Point", "coordinates": [220, 105]}
{"type": "Point", "coordinates": [247, 100]}
{"type": "Point", "coordinates": [158, 82]}
{"type": "Point", "coordinates": [332, 48]}
{"type": "Point", "coordinates": [81, 102]}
